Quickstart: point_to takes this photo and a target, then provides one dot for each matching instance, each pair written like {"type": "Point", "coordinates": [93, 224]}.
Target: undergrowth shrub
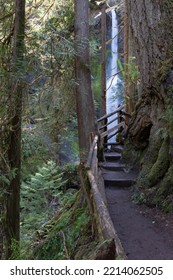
{"type": "Point", "coordinates": [43, 195]}
{"type": "Point", "coordinates": [34, 151]}
{"type": "Point", "coordinates": [61, 238]}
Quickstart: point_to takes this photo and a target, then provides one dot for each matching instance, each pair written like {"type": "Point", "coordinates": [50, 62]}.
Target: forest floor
{"type": "Point", "coordinates": [145, 233]}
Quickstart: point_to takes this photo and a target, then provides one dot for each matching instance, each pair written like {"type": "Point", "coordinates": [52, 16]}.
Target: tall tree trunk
{"type": "Point", "coordinates": [103, 81]}
{"type": "Point", "coordinates": [103, 64]}
{"type": "Point", "coordinates": [126, 56]}
{"type": "Point", "coordinates": [84, 96]}
{"type": "Point", "coordinates": [150, 135]}
{"type": "Point", "coordinates": [14, 149]}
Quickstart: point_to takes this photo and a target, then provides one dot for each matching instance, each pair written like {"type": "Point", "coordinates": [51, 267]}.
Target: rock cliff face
{"type": "Point", "coordinates": [150, 134]}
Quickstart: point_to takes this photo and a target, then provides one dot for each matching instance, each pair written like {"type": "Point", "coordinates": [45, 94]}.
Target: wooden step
{"type": "Point", "coordinates": [119, 183]}
{"type": "Point", "coordinates": [114, 147]}
{"type": "Point", "coordinates": [118, 149]}
{"type": "Point", "coordinates": [119, 178]}
{"type": "Point", "coordinates": [112, 156]}
{"type": "Point", "coordinates": [113, 166]}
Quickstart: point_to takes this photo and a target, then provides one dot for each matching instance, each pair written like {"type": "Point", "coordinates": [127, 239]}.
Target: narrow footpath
{"type": "Point", "coordinates": [143, 232]}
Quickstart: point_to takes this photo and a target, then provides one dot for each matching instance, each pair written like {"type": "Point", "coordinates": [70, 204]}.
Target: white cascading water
{"type": "Point", "coordinates": [112, 79]}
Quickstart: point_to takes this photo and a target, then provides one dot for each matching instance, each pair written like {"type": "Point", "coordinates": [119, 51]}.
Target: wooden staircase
{"type": "Point", "coordinates": [110, 174]}
{"type": "Point", "coordinates": [114, 171]}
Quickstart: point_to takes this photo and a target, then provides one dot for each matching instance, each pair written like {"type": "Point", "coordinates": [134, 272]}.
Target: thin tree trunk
{"type": "Point", "coordinates": [103, 55]}
{"type": "Point", "coordinates": [126, 55]}
{"type": "Point", "coordinates": [84, 96]}
{"type": "Point", "coordinates": [14, 150]}
{"type": "Point", "coordinates": [103, 82]}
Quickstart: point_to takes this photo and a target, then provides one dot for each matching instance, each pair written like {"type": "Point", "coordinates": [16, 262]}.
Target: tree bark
{"type": "Point", "coordinates": [84, 96]}
{"type": "Point", "coordinates": [150, 134]}
{"type": "Point", "coordinates": [126, 56]}
{"type": "Point", "coordinates": [103, 81]}
{"type": "Point", "coordinates": [103, 64]}
{"type": "Point", "coordinates": [14, 145]}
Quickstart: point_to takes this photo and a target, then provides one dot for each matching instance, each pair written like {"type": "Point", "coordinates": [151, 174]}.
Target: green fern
{"type": "Point", "coordinates": [40, 196]}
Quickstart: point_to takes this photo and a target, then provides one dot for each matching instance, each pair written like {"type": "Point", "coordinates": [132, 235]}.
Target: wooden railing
{"type": "Point", "coordinates": [120, 120]}
{"type": "Point", "coordinates": [103, 221]}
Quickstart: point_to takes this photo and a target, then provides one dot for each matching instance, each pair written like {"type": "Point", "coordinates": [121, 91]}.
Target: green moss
{"type": "Point", "coordinates": [155, 182]}
{"type": "Point", "coordinates": [148, 159]}
{"type": "Point", "coordinates": [166, 186]}
{"type": "Point", "coordinates": [63, 236]}
{"type": "Point", "coordinates": [167, 206]}
{"type": "Point", "coordinates": [168, 117]}
{"type": "Point", "coordinates": [161, 165]}
{"type": "Point", "coordinates": [162, 194]}
{"type": "Point", "coordinates": [165, 68]}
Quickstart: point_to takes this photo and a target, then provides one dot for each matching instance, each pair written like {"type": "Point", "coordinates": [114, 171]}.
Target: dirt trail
{"type": "Point", "coordinates": [144, 234]}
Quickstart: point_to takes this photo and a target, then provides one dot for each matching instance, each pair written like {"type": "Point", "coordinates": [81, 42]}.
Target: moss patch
{"type": "Point", "coordinates": [161, 165]}
{"type": "Point", "coordinates": [148, 159]}
{"type": "Point", "coordinates": [69, 235]}
{"type": "Point", "coordinates": [166, 186]}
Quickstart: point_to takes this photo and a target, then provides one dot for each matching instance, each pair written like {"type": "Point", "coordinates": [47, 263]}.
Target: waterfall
{"type": "Point", "coordinates": [112, 99]}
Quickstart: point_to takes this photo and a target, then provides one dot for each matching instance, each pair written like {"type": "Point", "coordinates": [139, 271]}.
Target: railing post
{"type": "Point", "coordinates": [119, 115]}
{"type": "Point", "coordinates": [100, 149]}
{"type": "Point", "coordinates": [120, 119]}
{"type": "Point", "coordinates": [105, 129]}
{"type": "Point", "coordinates": [91, 138]}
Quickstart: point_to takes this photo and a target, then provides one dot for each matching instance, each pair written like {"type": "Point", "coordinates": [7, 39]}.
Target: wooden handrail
{"type": "Point", "coordinates": [121, 123]}
{"type": "Point", "coordinates": [112, 135]}
{"type": "Point", "coordinates": [107, 132]}
{"type": "Point", "coordinates": [96, 198]}
{"type": "Point", "coordinates": [110, 114]}
{"type": "Point", "coordinates": [108, 123]}
{"type": "Point", "coordinates": [91, 152]}
{"type": "Point", "coordinates": [126, 114]}
{"type": "Point", "coordinates": [99, 211]}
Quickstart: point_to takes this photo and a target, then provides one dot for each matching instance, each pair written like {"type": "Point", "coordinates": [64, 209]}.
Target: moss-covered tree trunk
{"type": "Point", "coordinates": [150, 135]}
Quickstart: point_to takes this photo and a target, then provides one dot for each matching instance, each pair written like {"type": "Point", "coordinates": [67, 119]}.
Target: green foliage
{"type": "Point", "coordinates": [32, 144]}
{"type": "Point", "coordinates": [49, 101]}
{"type": "Point", "coordinates": [35, 150]}
{"type": "Point", "coordinates": [133, 71]}
{"type": "Point", "coordinates": [15, 247]}
{"type": "Point", "coordinates": [139, 198]}
{"type": "Point", "coordinates": [62, 238]}
{"type": "Point", "coordinates": [120, 65]}
{"type": "Point", "coordinates": [96, 84]}
{"type": "Point", "coordinates": [50, 72]}
{"type": "Point", "coordinates": [5, 180]}
{"type": "Point", "coordinates": [42, 195]}
{"type": "Point", "coordinates": [96, 74]}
